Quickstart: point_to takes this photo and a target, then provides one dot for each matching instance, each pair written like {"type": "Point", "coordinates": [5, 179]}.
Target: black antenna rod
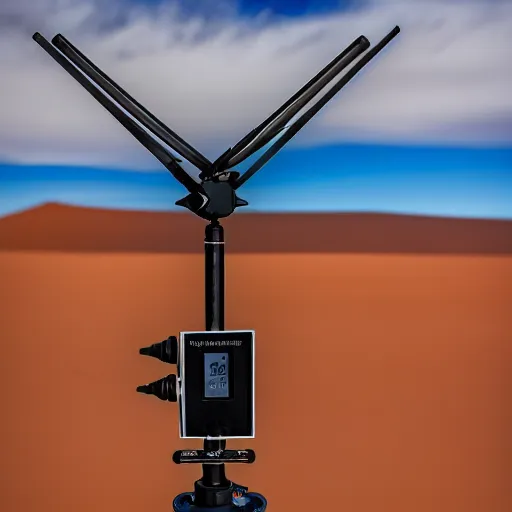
{"type": "Point", "coordinates": [295, 127]}
{"type": "Point", "coordinates": [164, 156]}
{"type": "Point", "coordinates": [131, 105]}
{"type": "Point", "coordinates": [277, 122]}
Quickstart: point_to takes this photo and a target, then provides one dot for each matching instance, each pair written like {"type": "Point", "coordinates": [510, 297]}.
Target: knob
{"type": "Point", "coordinates": [164, 389]}
{"type": "Point", "coordinates": [166, 351]}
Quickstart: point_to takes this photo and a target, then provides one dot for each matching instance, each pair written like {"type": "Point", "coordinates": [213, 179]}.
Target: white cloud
{"type": "Point", "coordinates": [446, 78]}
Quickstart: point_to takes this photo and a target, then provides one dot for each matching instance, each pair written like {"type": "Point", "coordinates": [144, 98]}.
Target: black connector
{"type": "Point", "coordinates": [166, 351]}
{"type": "Point", "coordinates": [164, 389]}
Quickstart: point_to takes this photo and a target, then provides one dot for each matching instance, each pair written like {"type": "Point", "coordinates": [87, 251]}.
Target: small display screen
{"type": "Point", "coordinates": [216, 375]}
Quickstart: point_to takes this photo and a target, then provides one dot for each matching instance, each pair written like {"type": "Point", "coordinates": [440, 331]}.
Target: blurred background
{"type": "Point", "coordinates": [373, 260]}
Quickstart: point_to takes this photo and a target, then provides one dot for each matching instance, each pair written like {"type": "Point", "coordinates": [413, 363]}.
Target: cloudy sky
{"type": "Point", "coordinates": [425, 128]}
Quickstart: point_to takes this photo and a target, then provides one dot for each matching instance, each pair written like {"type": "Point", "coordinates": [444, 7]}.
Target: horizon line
{"type": "Point", "coordinates": [250, 211]}
{"type": "Point", "coordinates": [57, 227]}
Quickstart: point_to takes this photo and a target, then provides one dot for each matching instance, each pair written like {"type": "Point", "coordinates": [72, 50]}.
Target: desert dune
{"type": "Point", "coordinates": [58, 227]}
{"type": "Point", "coordinates": [383, 376]}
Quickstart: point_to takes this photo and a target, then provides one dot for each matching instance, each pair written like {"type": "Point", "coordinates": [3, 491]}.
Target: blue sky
{"type": "Point", "coordinates": [419, 180]}
{"type": "Point", "coordinates": [278, 7]}
{"type": "Point", "coordinates": [421, 134]}
{"type": "Point", "coordinates": [291, 7]}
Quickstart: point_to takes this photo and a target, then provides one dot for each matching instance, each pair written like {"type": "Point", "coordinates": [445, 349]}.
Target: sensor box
{"type": "Point", "coordinates": [216, 373]}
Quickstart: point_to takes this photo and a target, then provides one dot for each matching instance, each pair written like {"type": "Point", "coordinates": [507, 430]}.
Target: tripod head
{"type": "Point", "coordinates": [214, 384]}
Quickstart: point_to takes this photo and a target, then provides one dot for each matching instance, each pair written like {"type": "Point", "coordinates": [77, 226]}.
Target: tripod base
{"type": "Point", "coordinates": [247, 502]}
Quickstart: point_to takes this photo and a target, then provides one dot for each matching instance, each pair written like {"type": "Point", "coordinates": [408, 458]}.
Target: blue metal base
{"type": "Point", "coordinates": [249, 502]}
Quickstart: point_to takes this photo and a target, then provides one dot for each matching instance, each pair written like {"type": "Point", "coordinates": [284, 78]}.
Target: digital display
{"type": "Point", "coordinates": [216, 375]}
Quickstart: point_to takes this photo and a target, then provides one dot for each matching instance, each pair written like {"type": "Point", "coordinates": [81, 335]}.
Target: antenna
{"type": "Point", "coordinates": [215, 380]}
{"type": "Point", "coordinates": [307, 116]}
{"type": "Point", "coordinates": [132, 106]}
{"type": "Point", "coordinates": [164, 156]}
{"type": "Point", "coordinates": [271, 127]}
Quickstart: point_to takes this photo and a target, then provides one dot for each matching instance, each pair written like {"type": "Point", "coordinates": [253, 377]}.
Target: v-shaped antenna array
{"type": "Point", "coordinates": [205, 199]}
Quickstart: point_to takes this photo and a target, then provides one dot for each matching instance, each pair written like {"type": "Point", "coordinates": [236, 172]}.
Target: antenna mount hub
{"type": "Point", "coordinates": [217, 199]}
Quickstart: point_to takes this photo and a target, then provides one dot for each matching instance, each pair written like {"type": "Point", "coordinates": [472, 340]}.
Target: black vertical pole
{"type": "Point", "coordinates": [214, 488]}
{"type": "Point", "coordinates": [214, 276]}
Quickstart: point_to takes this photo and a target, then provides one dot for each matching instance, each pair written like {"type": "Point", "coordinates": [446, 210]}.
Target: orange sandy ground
{"type": "Point", "coordinates": [383, 381]}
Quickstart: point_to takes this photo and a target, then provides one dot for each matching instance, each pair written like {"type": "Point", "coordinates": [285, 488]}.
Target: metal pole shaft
{"type": "Point", "coordinates": [214, 276]}
{"type": "Point", "coordinates": [214, 474]}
